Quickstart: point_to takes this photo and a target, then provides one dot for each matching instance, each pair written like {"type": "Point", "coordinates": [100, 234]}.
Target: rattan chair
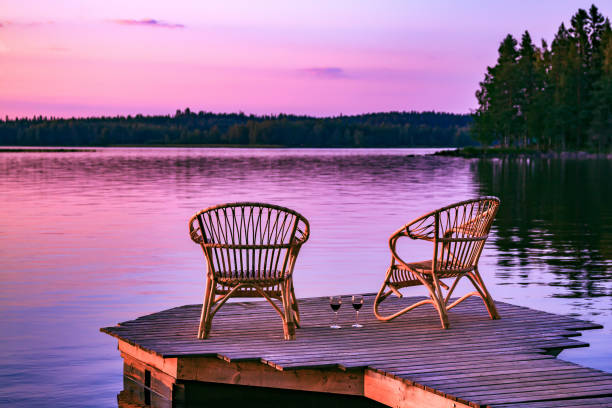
{"type": "Point", "coordinates": [458, 233]}
{"type": "Point", "coordinates": [250, 251]}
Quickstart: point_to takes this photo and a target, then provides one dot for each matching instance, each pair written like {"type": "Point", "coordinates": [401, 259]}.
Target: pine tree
{"type": "Point", "coordinates": [560, 110]}
{"type": "Point", "coordinates": [538, 125]}
{"type": "Point", "coordinates": [498, 114]}
{"type": "Point", "coordinates": [529, 86]}
{"type": "Point", "coordinates": [598, 26]}
{"type": "Point", "coordinates": [600, 131]}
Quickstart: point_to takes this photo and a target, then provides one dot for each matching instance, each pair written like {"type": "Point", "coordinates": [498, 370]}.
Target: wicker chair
{"type": "Point", "coordinates": [250, 251]}
{"type": "Point", "coordinates": [458, 233]}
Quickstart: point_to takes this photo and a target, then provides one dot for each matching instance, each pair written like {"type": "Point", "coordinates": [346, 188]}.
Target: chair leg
{"type": "Point", "coordinates": [205, 317]}
{"type": "Point", "coordinates": [288, 323]}
{"type": "Point", "coordinates": [435, 292]}
{"type": "Point", "coordinates": [379, 298]}
{"type": "Point", "coordinates": [383, 294]}
{"type": "Point", "coordinates": [487, 298]}
{"type": "Point", "coordinates": [294, 306]}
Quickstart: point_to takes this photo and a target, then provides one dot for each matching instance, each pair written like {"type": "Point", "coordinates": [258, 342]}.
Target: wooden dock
{"type": "Point", "coordinates": [408, 362]}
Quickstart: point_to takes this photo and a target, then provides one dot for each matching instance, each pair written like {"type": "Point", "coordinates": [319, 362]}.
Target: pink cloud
{"type": "Point", "coordinates": [325, 72]}
{"type": "Point", "coordinates": [149, 22]}
{"type": "Point", "coordinates": [6, 24]}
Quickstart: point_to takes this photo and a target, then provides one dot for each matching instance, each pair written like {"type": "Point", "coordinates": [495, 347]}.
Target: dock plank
{"type": "Point", "coordinates": [497, 363]}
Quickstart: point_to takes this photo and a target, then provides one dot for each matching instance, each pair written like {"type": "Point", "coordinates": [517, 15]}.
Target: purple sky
{"type": "Point", "coordinates": [81, 57]}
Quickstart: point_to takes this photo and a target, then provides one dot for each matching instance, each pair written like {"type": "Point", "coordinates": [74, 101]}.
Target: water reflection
{"type": "Point", "coordinates": [90, 239]}
{"type": "Point", "coordinates": [556, 218]}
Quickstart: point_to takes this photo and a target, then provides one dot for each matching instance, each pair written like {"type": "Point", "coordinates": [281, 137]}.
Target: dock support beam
{"type": "Point", "coordinates": [160, 382]}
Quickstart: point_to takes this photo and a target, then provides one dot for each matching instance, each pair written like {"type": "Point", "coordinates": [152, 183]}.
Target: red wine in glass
{"type": "Point", "coordinates": [357, 302]}
{"type": "Point", "coordinates": [335, 302]}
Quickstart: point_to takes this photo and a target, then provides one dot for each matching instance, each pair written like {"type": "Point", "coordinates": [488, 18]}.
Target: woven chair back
{"type": "Point", "coordinates": [249, 240]}
{"type": "Point", "coordinates": [460, 233]}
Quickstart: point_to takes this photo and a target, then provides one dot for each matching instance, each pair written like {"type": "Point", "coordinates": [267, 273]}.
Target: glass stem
{"type": "Point", "coordinates": [335, 318]}
{"type": "Point", "coordinates": [357, 318]}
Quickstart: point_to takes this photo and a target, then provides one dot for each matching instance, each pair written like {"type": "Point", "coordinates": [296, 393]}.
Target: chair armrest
{"type": "Point", "coordinates": [402, 232]}
{"type": "Point", "coordinates": [194, 232]}
{"type": "Point", "coordinates": [195, 236]}
{"type": "Point", "coordinates": [302, 236]}
{"type": "Point", "coordinates": [421, 228]}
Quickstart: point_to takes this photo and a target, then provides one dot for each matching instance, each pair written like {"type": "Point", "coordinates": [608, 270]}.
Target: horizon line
{"type": "Point", "coordinates": [272, 115]}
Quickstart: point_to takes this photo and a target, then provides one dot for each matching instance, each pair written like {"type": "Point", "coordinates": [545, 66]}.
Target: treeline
{"type": "Point", "coordinates": [557, 97]}
{"type": "Point", "coordinates": [203, 128]}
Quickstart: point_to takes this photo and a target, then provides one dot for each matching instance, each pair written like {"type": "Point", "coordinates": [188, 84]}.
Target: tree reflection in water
{"type": "Point", "coordinates": [557, 217]}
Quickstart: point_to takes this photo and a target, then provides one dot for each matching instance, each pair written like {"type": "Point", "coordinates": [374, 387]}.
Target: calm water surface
{"type": "Point", "coordinates": [91, 239]}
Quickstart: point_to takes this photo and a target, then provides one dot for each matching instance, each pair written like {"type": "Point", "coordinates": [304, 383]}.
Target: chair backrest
{"type": "Point", "coordinates": [249, 239]}
{"type": "Point", "coordinates": [461, 230]}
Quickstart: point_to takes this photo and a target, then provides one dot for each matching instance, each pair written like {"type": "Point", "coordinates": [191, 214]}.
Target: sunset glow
{"type": "Point", "coordinates": [81, 58]}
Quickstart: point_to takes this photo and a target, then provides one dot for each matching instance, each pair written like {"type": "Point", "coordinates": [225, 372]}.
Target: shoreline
{"type": "Point", "coordinates": [446, 151]}
{"type": "Point", "coordinates": [43, 150]}
{"type": "Point", "coordinates": [211, 146]}
{"type": "Point", "coordinates": [498, 153]}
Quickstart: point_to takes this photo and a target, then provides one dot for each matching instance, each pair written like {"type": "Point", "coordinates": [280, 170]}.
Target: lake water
{"type": "Point", "coordinates": [90, 239]}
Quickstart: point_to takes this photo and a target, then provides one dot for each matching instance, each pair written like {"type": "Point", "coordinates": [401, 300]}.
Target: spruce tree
{"type": "Point", "coordinates": [600, 131]}
{"type": "Point", "coordinates": [497, 116]}
{"type": "Point", "coordinates": [528, 86]}
{"type": "Point", "coordinates": [560, 111]}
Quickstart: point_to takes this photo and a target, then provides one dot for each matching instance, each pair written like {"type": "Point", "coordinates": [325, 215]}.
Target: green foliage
{"type": "Point", "coordinates": [474, 151]}
{"type": "Point", "coordinates": [496, 117]}
{"type": "Point", "coordinates": [558, 98]}
{"type": "Point", "coordinates": [600, 131]}
{"type": "Point", "coordinates": [390, 129]}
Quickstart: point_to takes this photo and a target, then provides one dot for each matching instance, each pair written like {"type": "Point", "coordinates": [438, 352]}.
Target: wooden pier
{"type": "Point", "coordinates": [408, 362]}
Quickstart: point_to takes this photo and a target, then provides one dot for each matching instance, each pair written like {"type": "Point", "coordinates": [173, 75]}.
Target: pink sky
{"type": "Point", "coordinates": [82, 57]}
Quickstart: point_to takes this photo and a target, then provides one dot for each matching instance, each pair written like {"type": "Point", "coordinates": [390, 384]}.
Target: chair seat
{"type": "Point", "coordinates": [422, 266]}
{"type": "Point", "coordinates": [403, 276]}
{"type": "Point", "coordinates": [236, 278]}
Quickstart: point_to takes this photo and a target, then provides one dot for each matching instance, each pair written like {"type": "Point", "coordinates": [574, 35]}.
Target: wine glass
{"type": "Point", "coordinates": [357, 303]}
{"type": "Point", "coordinates": [335, 302]}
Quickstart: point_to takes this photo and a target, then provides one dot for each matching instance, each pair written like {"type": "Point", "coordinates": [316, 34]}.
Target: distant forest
{"type": "Point", "coordinates": [391, 129]}
{"type": "Point", "coordinates": [557, 97]}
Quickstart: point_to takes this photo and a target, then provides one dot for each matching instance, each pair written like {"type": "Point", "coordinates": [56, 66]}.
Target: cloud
{"type": "Point", "coordinates": [325, 72]}
{"type": "Point", "coordinates": [149, 22]}
{"type": "Point", "coordinates": [6, 24]}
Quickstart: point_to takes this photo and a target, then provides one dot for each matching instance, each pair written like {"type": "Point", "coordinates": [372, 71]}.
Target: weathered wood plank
{"type": "Point", "coordinates": [395, 393]}
{"type": "Point", "coordinates": [407, 362]}
{"type": "Point", "coordinates": [573, 403]}
{"type": "Point", "coordinates": [260, 375]}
